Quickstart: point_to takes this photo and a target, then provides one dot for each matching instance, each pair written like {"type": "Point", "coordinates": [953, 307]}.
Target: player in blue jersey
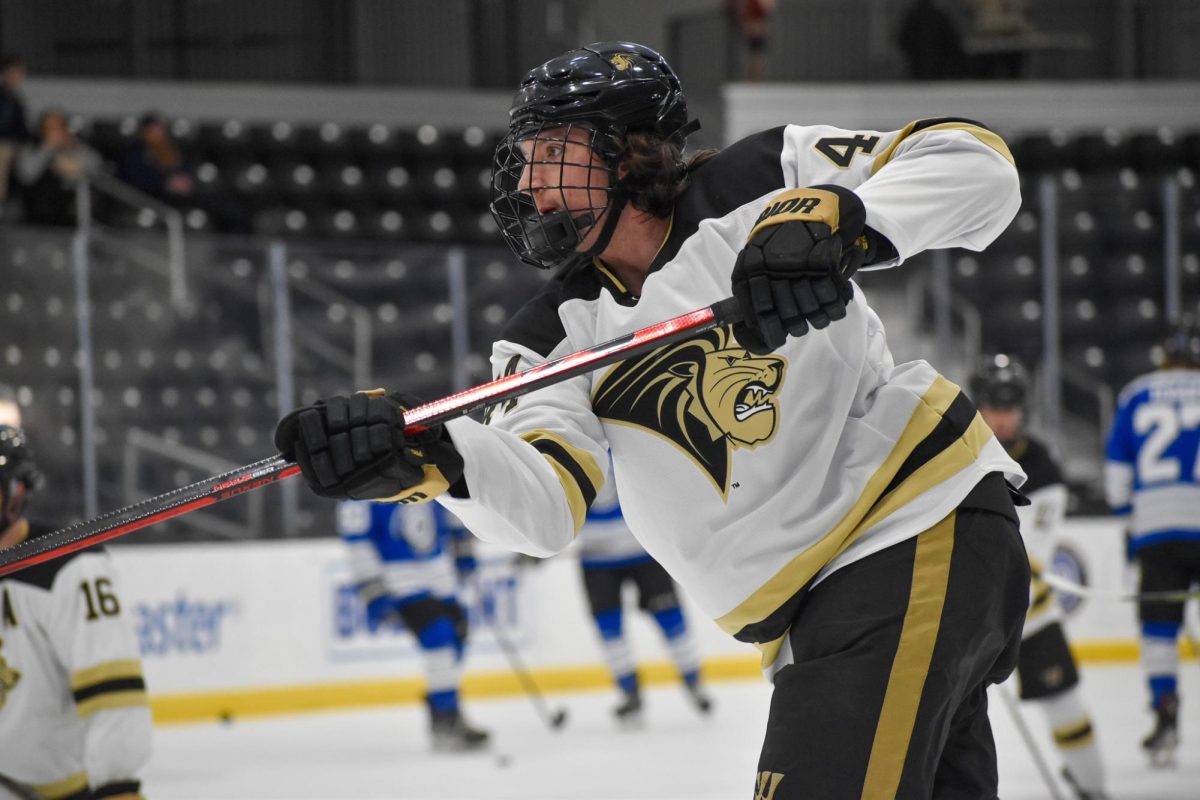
{"type": "Point", "coordinates": [1152, 477]}
{"type": "Point", "coordinates": [610, 556]}
{"type": "Point", "coordinates": [404, 561]}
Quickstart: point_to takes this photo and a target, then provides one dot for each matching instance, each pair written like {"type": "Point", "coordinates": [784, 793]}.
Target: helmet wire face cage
{"type": "Point", "coordinates": [551, 184]}
{"type": "Point", "coordinates": [18, 474]}
{"type": "Point", "coordinates": [568, 126]}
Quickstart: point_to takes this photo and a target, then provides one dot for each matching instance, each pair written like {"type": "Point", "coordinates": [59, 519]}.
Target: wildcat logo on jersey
{"type": "Point", "coordinates": [706, 396]}
{"type": "Point", "coordinates": [767, 783]}
{"type": "Point", "coordinates": [8, 678]}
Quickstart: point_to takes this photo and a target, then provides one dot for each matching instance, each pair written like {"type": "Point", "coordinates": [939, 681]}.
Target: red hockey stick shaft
{"type": "Point", "coordinates": [252, 476]}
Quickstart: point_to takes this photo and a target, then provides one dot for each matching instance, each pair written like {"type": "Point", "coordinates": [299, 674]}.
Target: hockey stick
{"type": "Point", "coordinates": [1035, 752]}
{"type": "Point", "coordinates": [554, 719]}
{"type": "Point", "coordinates": [252, 476]}
{"type": "Point", "coordinates": [1068, 586]}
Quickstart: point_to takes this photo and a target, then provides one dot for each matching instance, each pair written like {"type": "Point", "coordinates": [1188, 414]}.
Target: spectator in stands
{"type": "Point", "coordinates": [749, 20]}
{"type": "Point", "coordinates": [931, 43]}
{"type": "Point", "coordinates": [14, 132]}
{"type": "Point", "coordinates": [50, 168]}
{"type": "Point", "coordinates": [154, 164]}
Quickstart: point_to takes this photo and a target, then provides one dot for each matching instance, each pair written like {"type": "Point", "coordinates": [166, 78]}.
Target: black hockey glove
{"type": "Point", "coordinates": [794, 271]}
{"type": "Point", "coordinates": [355, 448]}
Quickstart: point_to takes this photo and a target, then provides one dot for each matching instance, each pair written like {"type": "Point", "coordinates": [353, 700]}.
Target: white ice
{"type": "Point", "coordinates": [383, 753]}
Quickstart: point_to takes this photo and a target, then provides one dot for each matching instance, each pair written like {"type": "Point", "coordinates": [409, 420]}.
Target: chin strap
{"type": "Point", "coordinates": [620, 196]}
{"type": "Point", "coordinates": [616, 204]}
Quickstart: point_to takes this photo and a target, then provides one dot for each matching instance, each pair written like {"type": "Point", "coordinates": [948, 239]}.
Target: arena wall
{"type": "Point", "coordinates": [273, 627]}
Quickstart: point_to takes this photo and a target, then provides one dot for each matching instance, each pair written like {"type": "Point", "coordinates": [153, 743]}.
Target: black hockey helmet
{"type": "Point", "coordinates": [607, 89]}
{"type": "Point", "coordinates": [19, 474]}
{"type": "Point", "coordinates": [614, 87]}
{"type": "Point", "coordinates": [1181, 346]}
{"type": "Point", "coordinates": [999, 382]}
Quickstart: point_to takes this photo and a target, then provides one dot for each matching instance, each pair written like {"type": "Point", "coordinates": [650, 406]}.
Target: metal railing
{"type": "Point", "coordinates": [85, 235]}
{"type": "Point", "coordinates": [151, 210]}
{"type": "Point", "coordinates": [356, 361]}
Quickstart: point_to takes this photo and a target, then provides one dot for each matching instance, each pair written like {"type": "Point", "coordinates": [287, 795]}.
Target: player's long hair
{"type": "Point", "coordinates": [657, 172]}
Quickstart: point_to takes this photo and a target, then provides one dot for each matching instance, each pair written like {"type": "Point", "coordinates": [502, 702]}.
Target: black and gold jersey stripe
{"type": "Point", "coordinates": [113, 684]}
{"type": "Point", "coordinates": [73, 787]}
{"type": "Point", "coordinates": [944, 435]}
{"type": "Point", "coordinates": [580, 475]}
{"type": "Point", "coordinates": [976, 129]}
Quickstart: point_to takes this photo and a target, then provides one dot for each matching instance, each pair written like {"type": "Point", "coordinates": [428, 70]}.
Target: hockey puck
{"type": "Point", "coordinates": [503, 761]}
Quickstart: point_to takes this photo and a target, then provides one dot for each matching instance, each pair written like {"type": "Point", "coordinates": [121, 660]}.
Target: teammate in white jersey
{"type": "Point", "coordinates": [74, 719]}
{"type": "Point", "coordinates": [1048, 674]}
{"type": "Point", "coordinates": [1152, 478]}
{"type": "Point", "coordinates": [610, 557]}
{"type": "Point", "coordinates": [847, 515]}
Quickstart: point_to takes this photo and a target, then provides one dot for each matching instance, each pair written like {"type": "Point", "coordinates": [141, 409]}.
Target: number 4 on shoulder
{"type": "Point", "coordinates": [841, 150]}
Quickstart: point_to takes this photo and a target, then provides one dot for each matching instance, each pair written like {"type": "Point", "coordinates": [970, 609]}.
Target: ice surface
{"type": "Point", "coordinates": [678, 754]}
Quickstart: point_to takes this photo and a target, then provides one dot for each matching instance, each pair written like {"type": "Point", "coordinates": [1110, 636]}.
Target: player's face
{"type": "Point", "coordinates": [1004, 422]}
{"type": "Point", "coordinates": [563, 173]}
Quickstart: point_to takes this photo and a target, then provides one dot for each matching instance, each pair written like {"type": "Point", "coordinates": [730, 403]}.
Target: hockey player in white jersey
{"type": "Point", "coordinates": [74, 718]}
{"type": "Point", "coordinates": [1152, 478]}
{"type": "Point", "coordinates": [405, 561]}
{"type": "Point", "coordinates": [847, 515]}
{"type": "Point", "coordinates": [1048, 674]}
{"type": "Point", "coordinates": [610, 557]}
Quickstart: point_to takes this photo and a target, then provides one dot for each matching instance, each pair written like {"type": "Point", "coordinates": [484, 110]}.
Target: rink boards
{"type": "Point", "coordinates": [274, 627]}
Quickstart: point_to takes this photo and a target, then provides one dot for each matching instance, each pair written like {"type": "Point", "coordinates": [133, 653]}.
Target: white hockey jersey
{"type": "Point", "coordinates": [1041, 522]}
{"type": "Point", "coordinates": [605, 540]}
{"type": "Point", "coordinates": [74, 717]}
{"type": "Point", "coordinates": [750, 477]}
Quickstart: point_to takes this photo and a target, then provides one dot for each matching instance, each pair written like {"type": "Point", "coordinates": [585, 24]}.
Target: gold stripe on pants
{"type": "Point", "coordinates": [893, 732]}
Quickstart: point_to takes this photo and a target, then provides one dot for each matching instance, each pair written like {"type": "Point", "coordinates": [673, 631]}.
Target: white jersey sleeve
{"type": "Point", "coordinates": [89, 629]}
{"type": "Point", "coordinates": [932, 184]}
{"type": "Point", "coordinates": [549, 448]}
